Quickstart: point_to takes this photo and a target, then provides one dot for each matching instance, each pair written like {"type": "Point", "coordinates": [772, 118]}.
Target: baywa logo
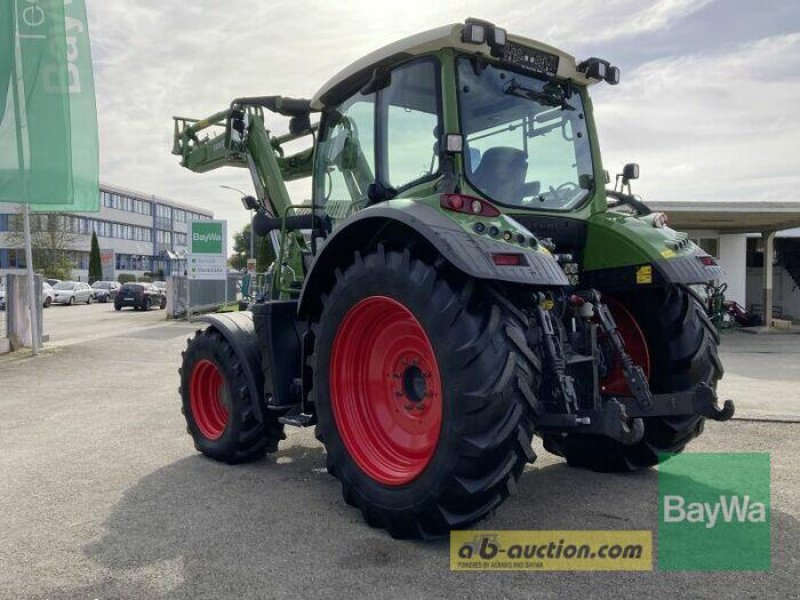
{"type": "Point", "coordinates": [206, 237]}
{"type": "Point", "coordinates": [714, 512]}
{"type": "Point", "coordinates": [729, 508]}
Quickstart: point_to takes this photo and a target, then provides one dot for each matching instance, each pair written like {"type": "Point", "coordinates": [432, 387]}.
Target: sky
{"type": "Point", "coordinates": [705, 102]}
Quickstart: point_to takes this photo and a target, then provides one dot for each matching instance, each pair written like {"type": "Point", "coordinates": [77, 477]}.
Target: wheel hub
{"type": "Point", "coordinates": [209, 399]}
{"type": "Point", "coordinates": [386, 390]}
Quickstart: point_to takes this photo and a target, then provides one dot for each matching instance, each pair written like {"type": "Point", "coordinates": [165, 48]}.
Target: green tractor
{"type": "Point", "coordinates": [460, 280]}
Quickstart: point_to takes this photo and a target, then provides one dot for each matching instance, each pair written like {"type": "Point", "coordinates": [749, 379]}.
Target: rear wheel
{"type": "Point", "coordinates": [421, 392]}
{"type": "Point", "coordinates": [47, 302]}
{"type": "Point", "coordinates": [682, 348]}
{"type": "Point", "coordinates": [220, 412]}
{"type": "Point", "coordinates": [147, 304]}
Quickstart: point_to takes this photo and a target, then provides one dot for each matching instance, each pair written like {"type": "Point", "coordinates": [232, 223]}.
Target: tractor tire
{"type": "Point", "coordinates": [422, 385]}
{"type": "Point", "coordinates": [682, 344]}
{"type": "Point", "coordinates": [216, 402]}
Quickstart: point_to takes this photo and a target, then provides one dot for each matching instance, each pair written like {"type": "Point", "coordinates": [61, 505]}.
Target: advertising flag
{"type": "Point", "coordinates": [48, 119]}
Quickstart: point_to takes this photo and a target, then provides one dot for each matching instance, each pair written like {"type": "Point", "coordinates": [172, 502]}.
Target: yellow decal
{"type": "Point", "coordinates": [644, 274]}
{"type": "Point", "coordinates": [548, 304]}
{"type": "Point", "coordinates": [667, 253]}
{"type": "Point", "coordinates": [613, 550]}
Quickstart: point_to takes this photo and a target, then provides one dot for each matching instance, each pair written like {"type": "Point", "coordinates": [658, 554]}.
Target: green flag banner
{"type": "Point", "coordinates": [48, 123]}
{"type": "Point", "coordinates": [84, 150]}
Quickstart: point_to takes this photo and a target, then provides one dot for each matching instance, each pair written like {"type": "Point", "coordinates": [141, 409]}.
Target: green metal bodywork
{"type": "Point", "coordinates": [613, 239]}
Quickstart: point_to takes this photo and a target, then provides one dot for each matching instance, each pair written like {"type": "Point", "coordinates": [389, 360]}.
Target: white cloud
{"type": "Point", "coordinates": [709, 126]}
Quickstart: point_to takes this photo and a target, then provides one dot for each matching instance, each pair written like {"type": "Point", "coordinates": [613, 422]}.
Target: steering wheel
{"type": "Point", "coordinates": [564, 190]}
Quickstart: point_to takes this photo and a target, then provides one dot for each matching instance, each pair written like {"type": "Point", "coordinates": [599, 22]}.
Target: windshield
{"type": "Point", "coordinates": [65, 285]}
{"type": "Point", "coordinates": [526, 141]}
{"type": "Point", "coordinates": [101, 285]}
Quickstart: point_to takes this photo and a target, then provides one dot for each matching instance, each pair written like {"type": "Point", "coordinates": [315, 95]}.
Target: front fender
{"type": "Point", "coordinates": [627, 251]}
{"type": "Point", "coordinates": [239, 331]}
{"type": "Point", "coordinates": [469, 253]}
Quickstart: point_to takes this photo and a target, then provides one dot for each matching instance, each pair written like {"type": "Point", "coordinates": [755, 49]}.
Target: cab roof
{"type": "Point", "coordinates": [360, 72]}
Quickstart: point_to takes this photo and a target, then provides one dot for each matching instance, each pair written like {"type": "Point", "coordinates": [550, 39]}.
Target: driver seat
{"type": "Point", "coordinates": [501, 173]}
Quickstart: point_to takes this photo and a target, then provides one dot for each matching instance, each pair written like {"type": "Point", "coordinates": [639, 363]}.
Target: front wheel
{"type": "Point", "coordinates": [147, 304]}
{"type": "Point", "coordinates": [220, 411]}
{"type": "Point", "coordinates": [421, 393]}
{"type": "Point", "coordinates": [682, 345]}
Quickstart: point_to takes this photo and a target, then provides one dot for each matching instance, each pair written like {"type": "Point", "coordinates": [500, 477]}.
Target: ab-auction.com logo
{"type": "Point", "coordinates": [551, 550]}
{"type": "Point", "coordinates": [714, 512]}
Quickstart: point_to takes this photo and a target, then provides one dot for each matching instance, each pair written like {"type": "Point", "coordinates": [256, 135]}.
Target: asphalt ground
{"type": "Point", "coordinates": [103, 496]}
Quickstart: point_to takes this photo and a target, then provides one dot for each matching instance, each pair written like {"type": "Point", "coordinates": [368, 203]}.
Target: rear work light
{"type": "Point", "coordinates": [468, 205]}
{"type": "Point", "coordinates": [508, 260]}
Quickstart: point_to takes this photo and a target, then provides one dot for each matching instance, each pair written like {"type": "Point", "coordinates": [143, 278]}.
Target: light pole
{"type": "Point", "coordinates": [252, 212]}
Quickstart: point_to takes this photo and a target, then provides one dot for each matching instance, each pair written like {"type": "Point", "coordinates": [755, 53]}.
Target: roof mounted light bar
{"type": "Point", "coordinates": [597, 68]}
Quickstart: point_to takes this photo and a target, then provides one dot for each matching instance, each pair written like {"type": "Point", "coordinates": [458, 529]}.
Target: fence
{"type": "Point", "coordinates": [5, 346]}
{"type": "Point", "coordinates": [204, 295]}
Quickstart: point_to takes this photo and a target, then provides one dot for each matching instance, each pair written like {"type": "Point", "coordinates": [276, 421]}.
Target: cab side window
{"type": "Point", "coordinates": [346, 157]}
{"type": "Point", "coordinates": [410, 119]}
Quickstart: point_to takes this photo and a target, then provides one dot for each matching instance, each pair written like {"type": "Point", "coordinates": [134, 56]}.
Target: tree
{"type": "Point", "coordinates": [241, 249]}
{"type": "Point", "coordinates": [95, 264]}
{"type": "Point", "coordinates": [265, 254]}
{"type": "Point", "coordinates": [52, 240]}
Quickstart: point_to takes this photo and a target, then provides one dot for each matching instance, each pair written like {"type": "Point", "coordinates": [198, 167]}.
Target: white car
{"type": "Point", "coordinates": [48, 294]}
{"type": "Point", "coordinates": [72, 292]}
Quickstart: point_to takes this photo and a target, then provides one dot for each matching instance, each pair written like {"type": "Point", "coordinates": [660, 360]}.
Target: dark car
{"type": "Point", "coordinates": [141, 296]}
{"type": "Point", "coordinates": [105, 291]}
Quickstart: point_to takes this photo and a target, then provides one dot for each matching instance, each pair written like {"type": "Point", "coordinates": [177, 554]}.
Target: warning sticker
{"type": "Point", "coordinates": [644, 274]}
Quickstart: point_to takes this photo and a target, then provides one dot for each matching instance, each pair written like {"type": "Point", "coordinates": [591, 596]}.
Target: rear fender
{"type": "Point", "coordinates": [403, 222]}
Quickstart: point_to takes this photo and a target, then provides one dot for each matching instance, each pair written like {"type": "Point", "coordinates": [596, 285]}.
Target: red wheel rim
{"type": "Point", "coordinates": [208, 397]}
{"type": "Point", "coordinates": [635, 345]}
{"type": "Point", "coordinates": [386, 390]}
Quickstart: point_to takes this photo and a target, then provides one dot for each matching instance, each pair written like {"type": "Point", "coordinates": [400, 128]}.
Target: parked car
{"type": "Point", "coordinates": [161, 285]}
{"type": "Point", "coordinates": [106, 290]}
{"type": "Point", "coordinates": [72, 292]}
{"type": "Point", "coordinates": [48, 294]}
{"type": "Point", "coordinates": [141, 296]}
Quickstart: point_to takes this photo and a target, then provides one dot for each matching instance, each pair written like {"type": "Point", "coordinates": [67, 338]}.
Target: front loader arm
{"type": "Point", "coordinates": [237, 137]}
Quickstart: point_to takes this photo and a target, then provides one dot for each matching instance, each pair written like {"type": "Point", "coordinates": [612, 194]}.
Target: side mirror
{"type": "Point", "coordinates": [630, 171]}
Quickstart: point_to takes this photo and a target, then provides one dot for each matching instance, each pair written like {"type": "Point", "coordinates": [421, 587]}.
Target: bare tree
{"type": "Point", "coordinates": [52, 239]}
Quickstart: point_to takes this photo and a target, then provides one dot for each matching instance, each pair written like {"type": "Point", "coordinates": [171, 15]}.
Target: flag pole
{"type": "Point", "coordinates": [32, 304]}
